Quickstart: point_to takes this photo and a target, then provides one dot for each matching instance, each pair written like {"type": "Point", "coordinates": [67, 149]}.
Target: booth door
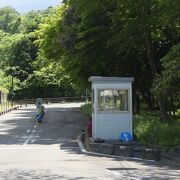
{"type": "Point", "coordinates": [113, 114]}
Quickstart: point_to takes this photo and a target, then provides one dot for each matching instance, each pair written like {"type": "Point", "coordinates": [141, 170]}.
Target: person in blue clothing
{"type": "Point", "coordinates": [40, 115]}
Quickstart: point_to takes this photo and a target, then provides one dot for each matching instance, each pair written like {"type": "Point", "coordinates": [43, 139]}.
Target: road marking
{"type": "Point", "coordinates": [115, 173]}
{"type": "Point", "coordinates": [32, 141]}
{"type": "Point", "coordinates": [31, 136]}
{"type": "Point", "coordinates": [29, 139]}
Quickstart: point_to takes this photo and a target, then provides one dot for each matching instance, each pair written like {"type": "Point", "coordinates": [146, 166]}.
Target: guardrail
{"type": "Point", "coordinates": [4, 106]}
{"type": "Point", "coordinates": [53, 100]}
{"type": "Point", "coordinates": [7, 106]}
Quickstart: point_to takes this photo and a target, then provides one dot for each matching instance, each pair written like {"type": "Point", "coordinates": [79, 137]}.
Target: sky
{"type": "Point", "coordinates": [23, 6]}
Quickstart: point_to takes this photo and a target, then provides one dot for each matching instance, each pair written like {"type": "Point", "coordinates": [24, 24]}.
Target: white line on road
{"type": "Point", "coordinates": [30, 137]}
{"type": "Point", "coordinates": [32, 141]}
{"type": "Point", "coordinates": [115, 173]}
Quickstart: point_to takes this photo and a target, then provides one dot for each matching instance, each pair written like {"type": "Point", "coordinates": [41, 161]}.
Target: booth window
{"type": "Point", "coordinates": [112, 100]}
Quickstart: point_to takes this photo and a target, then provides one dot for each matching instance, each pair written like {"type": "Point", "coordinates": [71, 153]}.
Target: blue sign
{"type": "Point", "coordinates": [126, 136]}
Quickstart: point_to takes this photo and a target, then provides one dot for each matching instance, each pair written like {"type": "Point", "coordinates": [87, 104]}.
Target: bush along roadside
{"type": "Point", "coordinates": [86, 109]}
{"type": "Point", "coordinates": [150, 130]}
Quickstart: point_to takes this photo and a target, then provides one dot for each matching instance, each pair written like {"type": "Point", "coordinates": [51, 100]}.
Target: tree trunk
{"type": "Point", "coordinates": [149, 101]}
{"type": "Point", "coordinates": [161, 102]}
{"type": "Point", "coordinates": [163, 111]}
{"type": "Point", "coordinates": [137, 104]}
{"type": "Point", "coordinates": [145, 18]}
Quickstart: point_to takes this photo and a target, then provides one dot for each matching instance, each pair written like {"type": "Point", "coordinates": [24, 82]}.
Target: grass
{"type": "Point", "coordinates": [150, 130]}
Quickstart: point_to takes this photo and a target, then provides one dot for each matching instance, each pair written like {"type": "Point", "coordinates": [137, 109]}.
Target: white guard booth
{"type": "Point", "coordinates": [111, 106]}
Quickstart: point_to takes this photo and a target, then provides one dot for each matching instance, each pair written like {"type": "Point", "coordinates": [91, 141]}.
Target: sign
{"type": "Point", "coordinates": [38, 103]}
{"type": "Point", "coordinates": [126, 136]}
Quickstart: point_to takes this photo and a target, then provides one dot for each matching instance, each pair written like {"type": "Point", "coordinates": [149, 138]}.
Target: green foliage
{"type": "Point", "coordinates": [6, 82]}
{"type": "Point", "coordinates": [87, 109]}
{"type": "Point", "coordinates": [47, 36]}
{"type": "Point", "coordinates": [111, 38]}
{"type": "Point", "coordinates": [149, 130]}
{"type": "Point", "coordinates": [17, 53]}
{"type": "Point", "coordinates": [8, 17]}
{"type": "Point", "coordinates": [48, 81]}
{"type": "Point", "coordinates": [85, 38]}
{"type": "Point", "coordinates": [167, 84]}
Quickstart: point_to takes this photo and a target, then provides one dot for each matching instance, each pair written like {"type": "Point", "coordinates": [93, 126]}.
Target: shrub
{"type": "Point", "coordinates": [149, 130]}
{"type": "Point", "coordinates": [87, 109]}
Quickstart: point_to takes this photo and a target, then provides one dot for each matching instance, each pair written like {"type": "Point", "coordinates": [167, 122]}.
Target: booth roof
{"type": "Point", "coordinates": [110, 79]}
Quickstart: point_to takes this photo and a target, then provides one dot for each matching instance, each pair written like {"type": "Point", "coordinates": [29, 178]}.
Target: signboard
{"type": "Point", "coordinates": [126, 136]}
{"type": "Point", "coordinates": [38, 103]}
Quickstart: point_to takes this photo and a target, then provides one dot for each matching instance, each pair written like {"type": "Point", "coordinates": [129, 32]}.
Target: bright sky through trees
{"type": "Point", "coordinates": [23, 6]}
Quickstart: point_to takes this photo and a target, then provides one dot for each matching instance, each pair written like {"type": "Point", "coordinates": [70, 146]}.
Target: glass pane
{"type": "Point", "coordinates": [105, 100]}
{"type": "Point", "coordinates": [113, 100]}
{"type": "Point", "coordinates": [121, 100]}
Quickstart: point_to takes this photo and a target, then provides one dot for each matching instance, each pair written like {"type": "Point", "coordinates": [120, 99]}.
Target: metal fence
{"type": "Point", "coordinates": [54, 100]}
{"type": "Point", "coordinates": [6, 106]}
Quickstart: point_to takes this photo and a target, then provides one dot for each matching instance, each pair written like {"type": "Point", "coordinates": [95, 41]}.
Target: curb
{"type": "Point", "coordinates": [83, 150]}
{"type": "Point", "coordinates": [168, 159]}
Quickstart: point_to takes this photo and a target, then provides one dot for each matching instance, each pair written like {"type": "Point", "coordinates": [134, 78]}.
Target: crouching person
{"type": "Point", "coordinates": [41, 110]}
{"type": "Point", "coordinates": [40, 115]}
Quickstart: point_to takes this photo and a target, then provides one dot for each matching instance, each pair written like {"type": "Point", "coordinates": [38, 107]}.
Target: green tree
{"type": "Point", "coordinates": [17, 54]}
{"type": "Point", "coordinates": [8, 17]}
{"type": "Point", "coordinates": [49, 81]}
{"type": "Point", "coordinates": [167, 84]}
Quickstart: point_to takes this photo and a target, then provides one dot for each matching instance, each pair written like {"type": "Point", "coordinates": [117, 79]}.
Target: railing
{"type": "Point", "coordinates": [54, 100]}
{"type": "Point", "coordinates": [6, 106]}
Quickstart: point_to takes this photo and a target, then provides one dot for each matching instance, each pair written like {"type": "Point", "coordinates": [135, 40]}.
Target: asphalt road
{"type": "Point", "coordinates": [50, 150]}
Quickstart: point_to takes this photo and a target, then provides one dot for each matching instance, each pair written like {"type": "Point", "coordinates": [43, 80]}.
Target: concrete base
{"type": "Point", "coordinates": [151, 154]}
{"type": "Point", "coordinates": [108, 149]}
{"type": "Point", "coordinates": [126, 149]}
